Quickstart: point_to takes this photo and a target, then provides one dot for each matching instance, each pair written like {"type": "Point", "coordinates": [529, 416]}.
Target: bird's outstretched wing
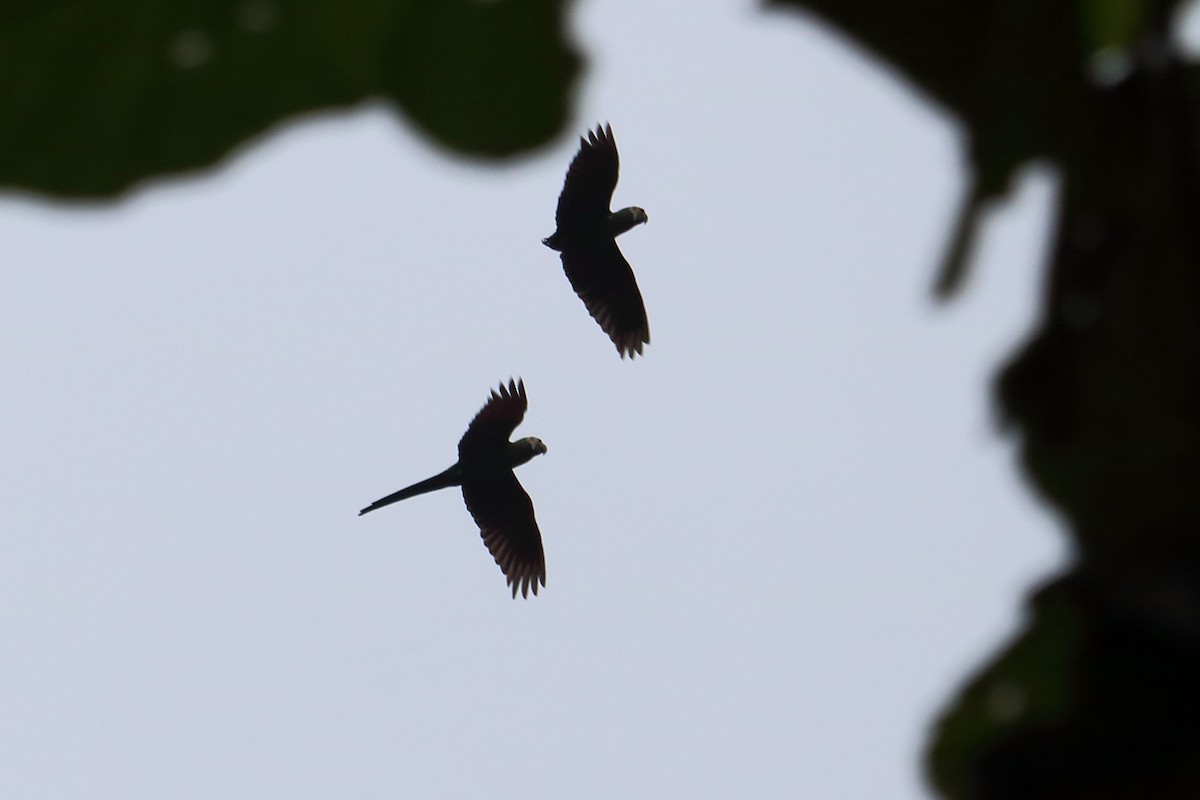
{"type": "Point", "coordinates": [504, 514]}
{"type": "Point", "coordinates": [591, 179]}
{"type": "Point", "coordinates": [602, 278]}
{"type": "Point", "coordinates": [487, 435]}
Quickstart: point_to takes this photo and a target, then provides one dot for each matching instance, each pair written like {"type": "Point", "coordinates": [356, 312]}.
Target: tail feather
{"type": "Point", "coordinates": [442, 480]}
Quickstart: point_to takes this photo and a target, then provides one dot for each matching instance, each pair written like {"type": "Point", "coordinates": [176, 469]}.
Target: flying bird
{"type": "Point", "coordinates": [586, 239]}
{"type": "Point", "coordinates": [501, 508]}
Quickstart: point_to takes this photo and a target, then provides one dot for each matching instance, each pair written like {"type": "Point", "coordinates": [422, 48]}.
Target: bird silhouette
{"type": "Point", "coordinates": [500, 507]}
{"type": "Point", "coordinates": [586, 239]}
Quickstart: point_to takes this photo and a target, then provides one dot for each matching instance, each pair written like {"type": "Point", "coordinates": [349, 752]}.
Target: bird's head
{"type": "Point", "coordinates": [625, 219]}
{"type": "Point", "coordinates": [523, 450]}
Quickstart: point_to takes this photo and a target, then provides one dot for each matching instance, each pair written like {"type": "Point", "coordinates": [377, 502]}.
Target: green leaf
{"type": "Point", "coordinates": [999, 66]}
{"type": "Point", "coordinates": [98, 96]}
{"type": "Point", "coordinates": [1111, 23]}
{"type": "Point", "coordinates": [1028, 687]}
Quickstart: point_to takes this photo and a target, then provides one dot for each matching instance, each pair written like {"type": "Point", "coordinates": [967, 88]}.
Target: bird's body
{"type": "Point", "coordinates": [500, 507]}
{"type": "Point", "coordinates": [586, 241]}
{"type": "Point", "coordinates": [596, 230]}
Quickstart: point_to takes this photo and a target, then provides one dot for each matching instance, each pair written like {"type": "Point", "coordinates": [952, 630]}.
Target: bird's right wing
{"type": "Point", "coordinates": [504, 514]}
{"type": "Point", "coordinates": [488, 433]}
{"type": "Point", "coordinates": [591, 179]}
{"type": "Point", "coordinates": [604, 281]}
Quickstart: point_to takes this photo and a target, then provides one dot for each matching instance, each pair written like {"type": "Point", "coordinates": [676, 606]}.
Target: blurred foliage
{"type": "Point", "coordinates": [1098, 696]}
{"type": "Point", "coordinates": [1110, 23]}
{"type": "Point", "coordinates": [99, 96]}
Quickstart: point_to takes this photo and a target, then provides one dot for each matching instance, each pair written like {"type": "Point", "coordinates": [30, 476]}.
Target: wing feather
{"type": "Point", "coordinates": [488, 433]}
{"type": "Point", "coordinates": [591, 179]}
{"type": "Point", "coordinates": [504, 513]}
{"type": "Point", "coordinates": [605, 283]}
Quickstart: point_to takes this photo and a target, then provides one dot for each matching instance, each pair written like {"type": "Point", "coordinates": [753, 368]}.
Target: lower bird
{"type": "Point", "coordinates": [500, 507]}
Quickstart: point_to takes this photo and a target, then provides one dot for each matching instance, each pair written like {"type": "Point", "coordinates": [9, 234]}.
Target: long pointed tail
{"type": "Point", "coordinates": [440, 481]}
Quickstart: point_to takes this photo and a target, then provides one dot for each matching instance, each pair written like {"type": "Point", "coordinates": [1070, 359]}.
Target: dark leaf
{"type": "Point", "coordinates": [100, 96]}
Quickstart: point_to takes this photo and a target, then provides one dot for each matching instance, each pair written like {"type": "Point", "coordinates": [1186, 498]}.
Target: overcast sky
{"type": "Point", "coordinates": [775, 545]}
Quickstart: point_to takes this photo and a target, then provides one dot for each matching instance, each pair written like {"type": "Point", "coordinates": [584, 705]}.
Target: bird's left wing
{"type": "Point", "coordinates": [488, 433]}
{"type": "Point", "coordinates": [604, 281]}
{"type": "Point", "coordinates": [504, 514]}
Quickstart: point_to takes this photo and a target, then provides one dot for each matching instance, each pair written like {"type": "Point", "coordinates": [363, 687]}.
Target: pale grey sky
{"type": "Point", "coordinates": [775, 545]}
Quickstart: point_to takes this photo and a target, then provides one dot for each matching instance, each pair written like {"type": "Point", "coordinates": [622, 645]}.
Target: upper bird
{"type": "Point", "coordinates": [586, 239]}
{"type": "Point", "coordinates": [501, 508]}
